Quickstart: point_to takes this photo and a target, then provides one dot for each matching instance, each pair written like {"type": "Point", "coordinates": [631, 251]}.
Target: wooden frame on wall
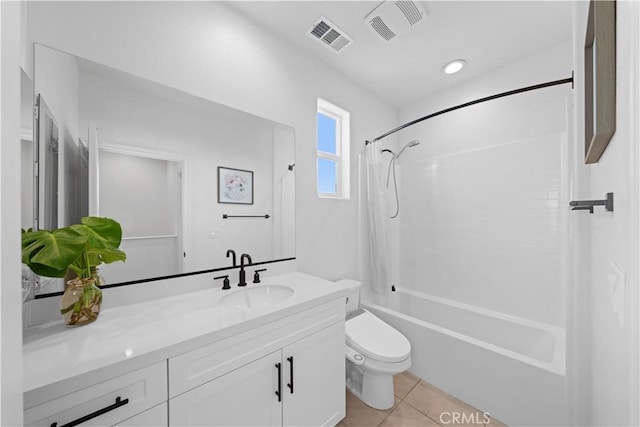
{"type": "Point", "coordinates": [599, 78]}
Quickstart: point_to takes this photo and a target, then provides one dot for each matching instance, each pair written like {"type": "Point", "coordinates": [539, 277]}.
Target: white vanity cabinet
{"type": "Point", "coordinates": [300, 383]}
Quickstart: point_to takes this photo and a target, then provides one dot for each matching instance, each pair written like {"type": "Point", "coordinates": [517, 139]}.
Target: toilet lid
{"type": "Point", "coordinates": [375, 339]}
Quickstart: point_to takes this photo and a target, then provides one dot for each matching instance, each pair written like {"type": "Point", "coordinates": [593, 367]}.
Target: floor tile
{"type": "Point", "coordinates": [359, 414]}
{"type": "Point", "coordinates": [417, 403]}
{"type": "Point", "coordinates": [403, 383]}
{"type": "Point", "coordinates": [443, 408]}
{"type": "Point", "coordinates": [405, 415]}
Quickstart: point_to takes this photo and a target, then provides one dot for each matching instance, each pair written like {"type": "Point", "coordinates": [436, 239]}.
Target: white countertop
{"type": "Point", "coordinates": [157, 329]}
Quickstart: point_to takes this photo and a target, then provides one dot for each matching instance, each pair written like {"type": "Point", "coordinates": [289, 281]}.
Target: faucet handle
{"type": "Point", "coordinates": [256, 275]}
{"type": "Point", "coordinates": [225, 282]}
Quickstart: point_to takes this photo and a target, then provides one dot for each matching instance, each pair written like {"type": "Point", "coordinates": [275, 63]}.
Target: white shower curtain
{"type": "Point", "coordinates": [378, 215]}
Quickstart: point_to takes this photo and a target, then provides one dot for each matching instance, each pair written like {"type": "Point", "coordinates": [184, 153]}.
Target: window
{"type": "Point", "coordinates": [332, 143]}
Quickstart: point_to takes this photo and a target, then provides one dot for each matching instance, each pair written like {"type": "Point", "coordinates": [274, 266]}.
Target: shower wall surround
{"type": "Point", "coordinates": [484, 227]}
{"type": "Point", "coordinates": [483, 218]}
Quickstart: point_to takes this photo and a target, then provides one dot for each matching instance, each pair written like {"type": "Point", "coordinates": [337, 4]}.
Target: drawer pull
{"type": "Point", "coordinates": [290, 385]}
{"type": "Point", "coordinates": [279, 391]}
{"type": "Point", "coordinates": [119, 402]}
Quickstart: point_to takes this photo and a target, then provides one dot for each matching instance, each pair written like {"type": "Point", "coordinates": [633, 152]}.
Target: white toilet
{"type": "Point", "coordinates": [375, 352]}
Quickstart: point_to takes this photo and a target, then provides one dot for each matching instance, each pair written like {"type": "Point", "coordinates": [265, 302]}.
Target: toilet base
{"type": "Point", "coordinates": [373, 388]}
{"type": "Point", "coordinates": [377, 390]}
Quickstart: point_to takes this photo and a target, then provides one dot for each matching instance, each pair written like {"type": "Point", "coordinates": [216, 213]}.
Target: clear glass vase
{"type": "Point", "coordinates": [80, 303]}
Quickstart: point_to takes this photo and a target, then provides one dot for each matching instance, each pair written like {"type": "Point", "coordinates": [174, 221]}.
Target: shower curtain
{"type": "Point", "coordinates": [378, 218]}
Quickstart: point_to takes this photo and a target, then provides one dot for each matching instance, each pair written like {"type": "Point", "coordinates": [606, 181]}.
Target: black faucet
{"type": "Point", "coordinates": [232, 252]}
{"type": "Point", "coordinates": [243, 280]}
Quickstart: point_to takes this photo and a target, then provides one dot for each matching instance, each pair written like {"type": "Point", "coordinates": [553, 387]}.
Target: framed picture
{"type": "Point", "coordinates": [599, 79]}
{"type": "Point", "coordinates": [235, 186]}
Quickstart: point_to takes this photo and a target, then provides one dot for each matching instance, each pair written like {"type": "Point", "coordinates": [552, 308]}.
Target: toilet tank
{"type": "Point", "coordinates": [353, 297]}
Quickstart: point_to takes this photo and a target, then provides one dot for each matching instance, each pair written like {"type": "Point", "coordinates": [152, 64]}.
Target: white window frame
{"type": "Point", "coordinates": [343, 149]}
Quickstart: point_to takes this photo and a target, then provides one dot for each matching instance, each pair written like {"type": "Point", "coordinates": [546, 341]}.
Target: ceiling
{"type": "Point", "coordinates": [487, 34]}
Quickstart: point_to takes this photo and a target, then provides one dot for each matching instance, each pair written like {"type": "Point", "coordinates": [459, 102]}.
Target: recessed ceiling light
{"type": "Point", "coordinates": [454, 66]}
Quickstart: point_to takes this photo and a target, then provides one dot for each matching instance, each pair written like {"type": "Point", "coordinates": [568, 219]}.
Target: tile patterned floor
{"type": "Point", "coordinates": [417, 404]}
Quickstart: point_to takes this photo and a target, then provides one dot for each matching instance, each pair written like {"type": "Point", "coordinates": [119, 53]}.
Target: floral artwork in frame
{"type": "Point", "coordinates": [235, 186]}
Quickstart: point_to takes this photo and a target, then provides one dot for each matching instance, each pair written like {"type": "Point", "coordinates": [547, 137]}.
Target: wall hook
{"type": "Point", "coordinates": [581, 205]}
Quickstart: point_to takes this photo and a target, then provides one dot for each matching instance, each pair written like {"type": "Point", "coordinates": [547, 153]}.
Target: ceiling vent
{"type": "Point", "coordinates": [327, 33]}
{"type": "Point", "coordinates": [393, 17]}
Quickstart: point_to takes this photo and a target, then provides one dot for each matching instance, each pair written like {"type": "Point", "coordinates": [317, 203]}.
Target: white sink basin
{"type": "Point", "coordinates": [256, 297]}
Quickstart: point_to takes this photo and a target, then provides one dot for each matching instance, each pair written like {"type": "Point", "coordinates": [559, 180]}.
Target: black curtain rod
{"type": "Point", "coordinates": [477, 101]}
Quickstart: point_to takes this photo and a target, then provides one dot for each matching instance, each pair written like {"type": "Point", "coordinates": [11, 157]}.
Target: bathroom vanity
{"type": "Point", "coordinates": [269, 354]}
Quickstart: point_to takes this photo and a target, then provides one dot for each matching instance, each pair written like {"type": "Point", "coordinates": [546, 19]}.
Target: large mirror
{"type": "Point", "coordinates": [187, 178]}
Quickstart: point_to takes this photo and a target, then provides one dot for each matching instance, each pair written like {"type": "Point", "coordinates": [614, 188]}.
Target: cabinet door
{"type": "Point", "coordinates": [243, 397]}
{"type": "Point", "coordinates": [315, 395]}
{"type": "Point", "coordinates": [156, 416]}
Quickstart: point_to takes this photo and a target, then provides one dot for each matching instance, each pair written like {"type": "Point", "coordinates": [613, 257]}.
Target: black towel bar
{"type": "Point", "coordinates": [266, 216]}
{"type": "Point", "coordinates": [583, 205]}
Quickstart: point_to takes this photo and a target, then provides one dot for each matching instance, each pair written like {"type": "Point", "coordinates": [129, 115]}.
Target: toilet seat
{"type": "Point", "coordinates": [375, 339]}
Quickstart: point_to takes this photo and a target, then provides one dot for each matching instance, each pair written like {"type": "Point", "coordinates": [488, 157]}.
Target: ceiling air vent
{"type": "Point", "coordinates": [381, 28]}
{"type": "Point", "coordinates": [393, 17]}
{"type": "Point", "coordinates": [325, 32]}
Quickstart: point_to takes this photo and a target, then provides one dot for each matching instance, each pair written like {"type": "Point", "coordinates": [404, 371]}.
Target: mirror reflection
{"type": "Point", "coordinates": [187, 178]}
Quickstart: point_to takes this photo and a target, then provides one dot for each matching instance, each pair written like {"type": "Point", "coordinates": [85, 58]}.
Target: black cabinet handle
{"type": "Point", "coordinates": [290, 385]}
{"type": "Point", "coordinates": [279, 391]}
{"type": "Point", "coordinates": [119, 402]}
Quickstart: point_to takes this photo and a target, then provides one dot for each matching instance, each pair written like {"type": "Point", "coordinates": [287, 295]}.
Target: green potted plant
{"type": "Point", "coordinates": [80, 248]}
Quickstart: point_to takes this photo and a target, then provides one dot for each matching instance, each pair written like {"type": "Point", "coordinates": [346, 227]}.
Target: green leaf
{"type": "Point", "coordinates": [103, 238]}
{"type": "Point", "coordinates": [102, 232]}
{"type": "Point", "coordinates": [43, 270]}
{"type": "Point", "coordinates": [80, 247]}
{"type": "Point", "coordinates": [107, 256]}
{"type": "Point", "coordinates": [49, 253]}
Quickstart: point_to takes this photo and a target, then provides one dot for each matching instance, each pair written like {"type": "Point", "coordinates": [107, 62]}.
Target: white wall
{"type": "Point", "coordinates": [208, 49]}
{"type": "Point", "coordinates": [10, 293]}
{"type": "Point", "coordinates": [144, 195]}
{"type": "Point", "coordinates": [604, 354]}
{"type": "Point", "coordinates": [483, 218]}
{"type": "Point", "coordinates": [126, 184]}
{"type": "Point", "coordinates": [501, 121]}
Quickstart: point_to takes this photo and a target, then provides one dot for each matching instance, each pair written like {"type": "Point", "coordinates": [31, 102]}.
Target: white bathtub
{"type": "Point", "coordinates": [511, 367]}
